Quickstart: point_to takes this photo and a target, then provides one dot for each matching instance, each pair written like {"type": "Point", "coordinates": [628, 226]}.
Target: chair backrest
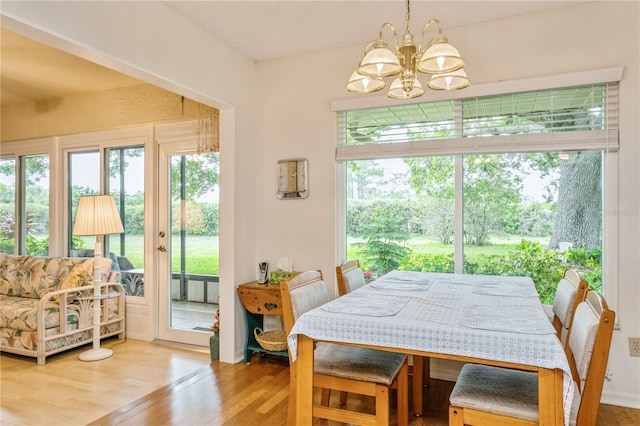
{"type": "Point", "coordinates": [300, 294]}
{"type": "Point", "coordinates": [569, 293]}
{"type": "Point", "coordinates": [350, 276]}
{"type": "Point", "coordinates": [587, 350]}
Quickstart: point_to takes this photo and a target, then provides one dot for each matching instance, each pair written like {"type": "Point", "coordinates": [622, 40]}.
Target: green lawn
{"type": "Point", "coordinates": [497, 246]}
{"type": "Point", "coordinates": [202, 253]}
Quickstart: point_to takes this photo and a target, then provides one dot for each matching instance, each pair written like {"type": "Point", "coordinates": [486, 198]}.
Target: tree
{"type": "Point", "coordinates": [579, 213]}
{"type": "Point", "coordinates": [360, 178]}
{"type": "Point", "coordinates": [384, 250]}
{"type": "Point", "coordinates": [37, 166]}
{"type": "Point", "coordinates": [201, 173]}
{"type": "Point", "coordinates": [491, 195]}
{"type": "Point", "coordinates": [578, 216]}
{"type": "Point", "coordinates": [433, 178]}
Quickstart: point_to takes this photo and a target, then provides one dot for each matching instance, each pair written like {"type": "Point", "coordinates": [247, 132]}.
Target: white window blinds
{"type": "Point", "coordinates": [558, 119]}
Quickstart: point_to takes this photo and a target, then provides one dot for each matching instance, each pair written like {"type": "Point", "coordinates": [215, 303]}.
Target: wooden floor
{"type": "Point", "coordinates": [148, 384]}
{"type": "Point", "coordinates": [66, 391]}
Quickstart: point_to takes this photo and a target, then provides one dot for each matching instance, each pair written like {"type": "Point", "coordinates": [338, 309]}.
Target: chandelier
{"type": "Point", "coordinates": [438, 58]}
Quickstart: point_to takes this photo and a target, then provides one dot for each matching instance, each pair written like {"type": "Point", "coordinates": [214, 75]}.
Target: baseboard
{"type": "Point", "coordinates": [183, 346]}
{"type": "Point", "coordinates": [621, 400]}
{"type": "Point", "coordinates": [443, 369]}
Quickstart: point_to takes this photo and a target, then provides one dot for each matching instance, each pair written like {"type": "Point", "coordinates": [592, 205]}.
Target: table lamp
{"type": "Point", "coordinates": [97, 215]}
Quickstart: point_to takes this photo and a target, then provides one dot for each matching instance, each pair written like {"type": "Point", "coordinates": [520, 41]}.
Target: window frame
{"type": "Point", "coordinates": [141, 136]}
{"type": "Point", "coordinates": [499, 144]}
{"type": "Point", "coordinates": [18, 150]}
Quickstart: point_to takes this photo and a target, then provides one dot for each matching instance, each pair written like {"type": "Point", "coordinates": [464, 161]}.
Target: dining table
{"type": "Point", "coordinates": [483, 319]}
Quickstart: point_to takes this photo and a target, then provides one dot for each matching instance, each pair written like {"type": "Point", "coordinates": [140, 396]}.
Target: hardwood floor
{"type": "Point", "coordinates": [149, 384]}
{"type": "Point", "coordinates": [256, 394]}
{"type": "Point", "coordinates": [66, 391]}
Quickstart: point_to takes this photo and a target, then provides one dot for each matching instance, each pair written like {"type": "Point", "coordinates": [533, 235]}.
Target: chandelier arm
{"type": "Point", "coordinates": [393, 30]}
{"type": "Point", "coordinates": [424, 30]}
{"type": "Point", "coordinates": [374, 42]}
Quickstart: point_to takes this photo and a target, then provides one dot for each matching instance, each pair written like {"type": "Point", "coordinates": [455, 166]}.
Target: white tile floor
{"type": "Point", "coordinates": [189, 315]}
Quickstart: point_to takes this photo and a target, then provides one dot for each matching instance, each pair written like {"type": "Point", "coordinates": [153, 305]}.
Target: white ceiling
{"type": "Point", "coordinates": [262, 30]}
{"type": "Point", "coordinates": [274, 29]}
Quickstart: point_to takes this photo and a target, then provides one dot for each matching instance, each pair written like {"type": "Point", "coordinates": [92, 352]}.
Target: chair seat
{"type": "Point", "coordinates": [501, 391]}
{"type": "Point", "coordinates": [497, 390]}
{"type": "Point", "coordinates": [355, 363]}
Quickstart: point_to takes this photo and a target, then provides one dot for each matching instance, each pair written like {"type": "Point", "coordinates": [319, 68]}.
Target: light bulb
{"type": "Point", "coordinates": [440, 61]}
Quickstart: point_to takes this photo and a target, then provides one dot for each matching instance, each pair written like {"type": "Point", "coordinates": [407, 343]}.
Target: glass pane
{"type": "Point", "coordinates": [194, 240]}
{"type": "Point", "coordinates": [126, 184]}
{"type": "Point", "coordinates": [35, 223]}
{"type": "Point", "coordinates": [533, 215]}
{"type": "Point", "coordinates": [7, 205]}
{"type": "Point", "coordinates": [400, 214]}
{"type": "Point", "coordinates": [84, 179]}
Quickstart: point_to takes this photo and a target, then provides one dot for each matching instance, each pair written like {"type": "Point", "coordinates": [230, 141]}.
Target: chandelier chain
{"type": "Point", "coordinates": [408, 16]}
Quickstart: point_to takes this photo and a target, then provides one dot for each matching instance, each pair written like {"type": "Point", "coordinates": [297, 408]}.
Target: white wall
{"type": "Point", "coordinates": [290, 120]}
{"type": "Point", "coordinates": [297, 122]}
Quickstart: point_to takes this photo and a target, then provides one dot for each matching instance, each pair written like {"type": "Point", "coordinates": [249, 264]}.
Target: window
{"type": "Point", "coordinates": [25, 226]}
{"type": "Point", "coordinates": [8, 205]}
{"type": "Point", "coordinates": [125, 171]}
{"type": "Point", "coordinates": [195, 218]}
{"type": "Point", "coordinates": [35, 199]}
{"type": "Point", "coordinates": [84, 179]}
{"type": "Point", "coordinates": [124, 179]}
{"type": "Point", "coordinates": [502, 185]}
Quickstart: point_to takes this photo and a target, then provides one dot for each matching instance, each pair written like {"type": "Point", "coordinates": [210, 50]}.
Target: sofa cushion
{"type": "Point", "coordinates": [23, 276]}
{"type": "Point", "coordinates": [19, 313]}
{"type": "Point", "coordinates": [33, 277]}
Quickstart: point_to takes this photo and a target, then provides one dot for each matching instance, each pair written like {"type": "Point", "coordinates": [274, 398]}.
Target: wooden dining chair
{"type": "Point", "coordinates": [569, 293]}
{"type": "Point", "coordinates": [342, 367]}
{"type": "Point", "coordinates": [486, 395]}
{"type": "Point", "coordinates": [350, 276]}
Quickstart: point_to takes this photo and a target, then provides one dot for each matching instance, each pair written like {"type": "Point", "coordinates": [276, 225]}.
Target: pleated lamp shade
{"type": "Point", "coordinates": [97, 215]}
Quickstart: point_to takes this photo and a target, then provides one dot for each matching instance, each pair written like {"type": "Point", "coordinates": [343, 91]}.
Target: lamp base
{"type": "Point", "coordinates": [95, 354]}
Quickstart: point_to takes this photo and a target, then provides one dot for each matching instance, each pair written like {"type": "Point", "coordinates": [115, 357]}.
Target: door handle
{"type": "Point", "coordinates": [161, 247]}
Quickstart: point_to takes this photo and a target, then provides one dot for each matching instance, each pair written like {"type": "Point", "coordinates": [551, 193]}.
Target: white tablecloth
{"type": "Point", "coordinates": [485, 317]}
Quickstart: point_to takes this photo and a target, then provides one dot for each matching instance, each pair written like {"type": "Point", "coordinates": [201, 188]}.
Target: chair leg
{"type": "Point", "coordinates": [456, 416]}
{"type": "Point", "coordinates": [403, 395]}
{"type": "Point", "coordinates": [382, 405]}
{"type": "Point", "coordinates": [291, 412]}
{"type": "Point", "coordinates": [343, 398]}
